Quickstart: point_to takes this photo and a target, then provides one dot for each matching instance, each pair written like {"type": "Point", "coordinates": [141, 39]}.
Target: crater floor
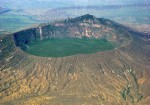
{"type": "Point", "coordinates": [61, 47]}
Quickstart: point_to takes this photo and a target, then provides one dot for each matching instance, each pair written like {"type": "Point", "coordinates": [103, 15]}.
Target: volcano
{"type": "Point", "coordinates": [116, 75]}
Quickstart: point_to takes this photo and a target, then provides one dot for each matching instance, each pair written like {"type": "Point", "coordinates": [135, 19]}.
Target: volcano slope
{"type": "Point", "coordinates": [115, 77]}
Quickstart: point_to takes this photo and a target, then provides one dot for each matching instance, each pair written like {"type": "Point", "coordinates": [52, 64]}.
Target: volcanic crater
{"type": "Point", "coordinates": [77, 61]}
{"type": "Point", "coordinates": [83, 35]}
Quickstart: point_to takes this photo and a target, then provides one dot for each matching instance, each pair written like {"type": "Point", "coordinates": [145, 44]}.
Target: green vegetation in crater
{"type": "Point", "coordinates": [60, 47]}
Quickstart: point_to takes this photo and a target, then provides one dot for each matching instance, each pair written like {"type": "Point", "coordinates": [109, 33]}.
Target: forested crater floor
{"type": "Point", "coordinates": [61, 47]}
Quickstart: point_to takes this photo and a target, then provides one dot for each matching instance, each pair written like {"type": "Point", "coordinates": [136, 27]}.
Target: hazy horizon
{"type": "Point", "coordinates": [18, 14]}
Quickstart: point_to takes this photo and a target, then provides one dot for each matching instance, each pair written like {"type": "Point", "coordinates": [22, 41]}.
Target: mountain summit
{"type": "Point", "coordinates": [87, 16]}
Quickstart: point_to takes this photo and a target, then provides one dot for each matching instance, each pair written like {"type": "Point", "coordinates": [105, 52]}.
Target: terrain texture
{"type": "Point", "coordinates": [115, 77]}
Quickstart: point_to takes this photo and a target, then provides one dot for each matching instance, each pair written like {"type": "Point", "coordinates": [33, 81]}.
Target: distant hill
{"type": "Point", "coordinates": [4, 10]}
